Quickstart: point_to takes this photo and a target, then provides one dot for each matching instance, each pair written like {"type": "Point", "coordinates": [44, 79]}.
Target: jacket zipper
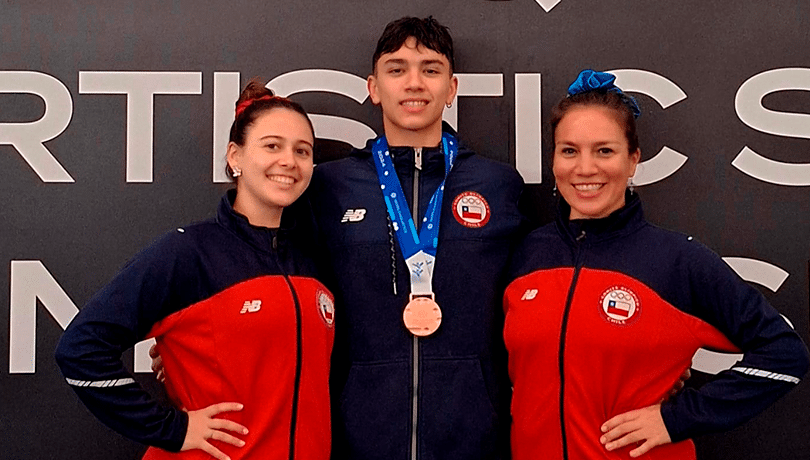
{"type": "Point", "coordinates": [298, 348]}
{"type": "Point", "coordinates": [563, 330]}
{"type": "Point", "coordinates": [417, 157]}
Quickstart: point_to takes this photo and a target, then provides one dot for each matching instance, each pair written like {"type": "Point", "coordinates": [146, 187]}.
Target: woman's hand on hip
{"type": "Point", "coordinates": [643, 427]}
{"type": "Point", "coordinates": [202, 426]}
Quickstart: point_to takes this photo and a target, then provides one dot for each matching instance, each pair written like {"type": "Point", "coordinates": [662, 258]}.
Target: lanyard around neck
{"type": "Point", "coordinates": [419, 249]}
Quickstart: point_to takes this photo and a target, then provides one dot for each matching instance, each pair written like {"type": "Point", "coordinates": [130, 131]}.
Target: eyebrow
{"type": "Point", "coordinates": [426, 62]}
{"type": "Point", "coordinates": [273, 136]}
{"type": "Point", "coordinates": [596, 144]}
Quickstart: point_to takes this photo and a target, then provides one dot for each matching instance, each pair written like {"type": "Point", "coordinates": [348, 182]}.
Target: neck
{"type": "Point", "coordinates": [428, 137]}
{"type": "Point", "coordinates": [258, 214]}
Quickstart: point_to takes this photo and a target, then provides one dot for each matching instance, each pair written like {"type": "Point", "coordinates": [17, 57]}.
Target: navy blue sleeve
{"type": "Point", "coordinates": [114, 320]}
{"type": "Point", "coordinates": [774, 356]}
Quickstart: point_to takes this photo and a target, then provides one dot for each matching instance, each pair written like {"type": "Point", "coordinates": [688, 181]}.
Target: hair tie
{"type": "Point", "coordinates": [242, 106]}
{"type": "Point", "coordinates": [590, 80]}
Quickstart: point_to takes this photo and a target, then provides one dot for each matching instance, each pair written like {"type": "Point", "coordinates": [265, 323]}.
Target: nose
{"type": "Point", "coordinates": [414, 80]}
{"type": "Point", "coordinates": [287, 157]}
{"type": "Point", "coordinates": [586, 164]}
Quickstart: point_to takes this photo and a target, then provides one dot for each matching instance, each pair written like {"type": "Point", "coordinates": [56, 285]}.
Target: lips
{"type": "Point", "coordinates": [587, 187]}
{"type": "Point", "coordinates": [284, 180]}
{"type": "Point", "coordinates": [414, 103]}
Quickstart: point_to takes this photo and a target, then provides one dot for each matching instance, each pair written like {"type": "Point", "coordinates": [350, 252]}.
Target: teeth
{"type": "Point", "coordinates": [587, 187]}
{"type": "Point", "coordinates": [282, 179]}
{"type": "Point", "coordinates": [414, 103]}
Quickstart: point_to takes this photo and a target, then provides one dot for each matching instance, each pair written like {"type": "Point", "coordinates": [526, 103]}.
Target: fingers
{"type": "Point", "coordinates": [619, 420]}
{"type": "Point", "coordinates": [213, 451]}
{"type": "Point", "coordinates": [227, 438]}
{"type": "Point", "coordinates": [219, 408]}
{"type": "Point", "coordinates": [203, 427]}
{"type": "Point", "coordinates": [157, 364]}
{"type": "Point", "coordinates": [230, 425]}
{"type": "Point", "coordinates": [643, 449]}
{"type": "Point", "coordinates": [613, 440]}
{"type": "Point", "coordinates": [643, 427]}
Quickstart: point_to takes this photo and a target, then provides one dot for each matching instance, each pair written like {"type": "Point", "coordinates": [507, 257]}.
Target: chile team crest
{"type": "Point", "coordinates": [471, 210]}
{"type": "Point", "coordinates": [619, 305]}
{"type": "Point", "coordinates": [326, 306]}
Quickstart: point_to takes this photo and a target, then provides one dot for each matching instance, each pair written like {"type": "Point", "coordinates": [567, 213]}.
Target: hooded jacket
{"type": "Point", "coordinates": [238, 316]}
{"type": "Point", "coordinates": [603, 316]}
{"type": "Point", "coordinates": [397, 397]}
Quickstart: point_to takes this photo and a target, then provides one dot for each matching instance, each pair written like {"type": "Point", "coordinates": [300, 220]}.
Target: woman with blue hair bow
{"type": "Point", "coordinates": [605, 311]}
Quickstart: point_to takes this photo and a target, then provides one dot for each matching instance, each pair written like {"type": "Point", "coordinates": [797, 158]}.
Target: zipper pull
{"type": "Point", "coordinates": [417, 157]}
{"type": "Point", "coordinates": [581, 236]}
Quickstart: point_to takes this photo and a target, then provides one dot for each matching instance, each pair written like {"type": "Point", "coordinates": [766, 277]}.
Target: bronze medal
{"type": "Point", "coordinates": [422, 316]}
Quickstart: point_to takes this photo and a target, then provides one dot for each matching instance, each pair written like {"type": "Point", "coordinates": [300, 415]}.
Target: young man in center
{"type": "Point", "coordinates": [418, 230]}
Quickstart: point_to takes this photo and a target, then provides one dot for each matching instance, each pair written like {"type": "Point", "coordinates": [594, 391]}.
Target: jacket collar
{"type": "Point", "coordinates": [432, 157]}
{"type": "Point", "coordinates": [261, 238]}
{"type": "Point", "coordinates": [621, 222]}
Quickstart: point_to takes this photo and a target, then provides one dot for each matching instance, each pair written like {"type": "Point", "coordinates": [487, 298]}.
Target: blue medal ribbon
{"type": "Point", "coordinates": [418, 248]}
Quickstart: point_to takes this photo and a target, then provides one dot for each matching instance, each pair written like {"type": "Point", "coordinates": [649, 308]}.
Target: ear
{"type": "Point", "coordinates": [635, 157]}
{"type": "Point", "coordinates": [233, 154]}
{"type": "Point", "coordinates": [453, 90]}
{"type": "Point", "coordinates": [371, 85]}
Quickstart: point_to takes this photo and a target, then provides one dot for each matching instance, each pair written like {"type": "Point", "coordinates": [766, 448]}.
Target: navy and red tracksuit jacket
{"type": "Point", "coordinates": [444, 396]}
{"type": "Point", "coordinates": [603, 316]}
{"type": "Point", "coordinates": [238, 316]}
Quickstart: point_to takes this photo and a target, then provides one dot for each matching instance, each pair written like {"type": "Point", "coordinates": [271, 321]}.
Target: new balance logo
{"type": "Point", "coordinates": [530, 294]}
{"type": "Point", "coordinates": [353, 215]}
{"type": "Point", "coordinates": [251, 307]}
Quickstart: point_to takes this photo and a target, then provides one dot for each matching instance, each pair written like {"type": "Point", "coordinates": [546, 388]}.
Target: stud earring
{"type": "Point", "coordinates": [450, 105]}
{"type": "Point", "coordinates": [237, 172]}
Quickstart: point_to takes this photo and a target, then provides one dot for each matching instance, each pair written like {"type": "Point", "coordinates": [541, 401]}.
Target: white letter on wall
{"type": "Point", "coordinates": [30, 280]}
{"type": "Point", "coordinates": [528, 127]}
{"type": "Point", "coordinates": [329, 81]}
{"type": "Point", "coordinates": [665, 93]}
{"type": "Point", "coordinates": [226, 92]}
{"type": "Point", "coordinates": [750, 111]}
{"type": "Point", "coordinates": [29, 138]}
{"type": "Point", "coordinates": [140, 88]}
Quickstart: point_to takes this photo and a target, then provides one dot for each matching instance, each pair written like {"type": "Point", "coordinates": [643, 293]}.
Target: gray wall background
{"type": "Point", "coordinates": [62, 241]}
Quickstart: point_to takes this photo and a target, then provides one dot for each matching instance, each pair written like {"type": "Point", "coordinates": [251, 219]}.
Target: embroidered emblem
{"type": "Point", "coordinates": [619, 305]}
{"type": "Point", "coordinates": [471, 209]}
{"type": "Point", "coordinates": [353, 215]}
{"type": "Point", "coordinates": [251, 306]}
{"type": "Point", "coordinates": [326, 306]}
{"type": "Point", "coordinates": [530, 294]}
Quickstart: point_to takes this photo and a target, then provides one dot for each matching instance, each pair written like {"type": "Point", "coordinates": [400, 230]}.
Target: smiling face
{"type": "Point", "coordinates": [412, 85]}
{"type": "Point", "coordinates": [275, 163]}
{"type": "Point", "coordinates": [592, 161]}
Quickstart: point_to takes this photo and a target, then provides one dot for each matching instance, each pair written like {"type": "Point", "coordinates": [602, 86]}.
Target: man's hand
{"type": "Point", "coordinates": [202, 426]}
{"type": "Point", "coordinates": [157, 364]}
{"type": "Point", "coordinates": [644, 427]}
{"type": "Point", "coordinates": [687, 373]}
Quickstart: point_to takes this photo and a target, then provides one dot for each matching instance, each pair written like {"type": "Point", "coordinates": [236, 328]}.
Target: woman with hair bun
{"type": "Point", "coordinates": [605, 311]}
{"type": "Point", "coordinates": [243, 326]}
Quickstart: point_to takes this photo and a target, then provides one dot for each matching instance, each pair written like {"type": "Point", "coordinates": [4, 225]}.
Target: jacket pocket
{"type": "Point", "coordinates": [375, 413]}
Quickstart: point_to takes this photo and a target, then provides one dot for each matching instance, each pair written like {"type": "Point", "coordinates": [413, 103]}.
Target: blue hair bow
{"type": "Point", "coordinates": [590, 80]}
